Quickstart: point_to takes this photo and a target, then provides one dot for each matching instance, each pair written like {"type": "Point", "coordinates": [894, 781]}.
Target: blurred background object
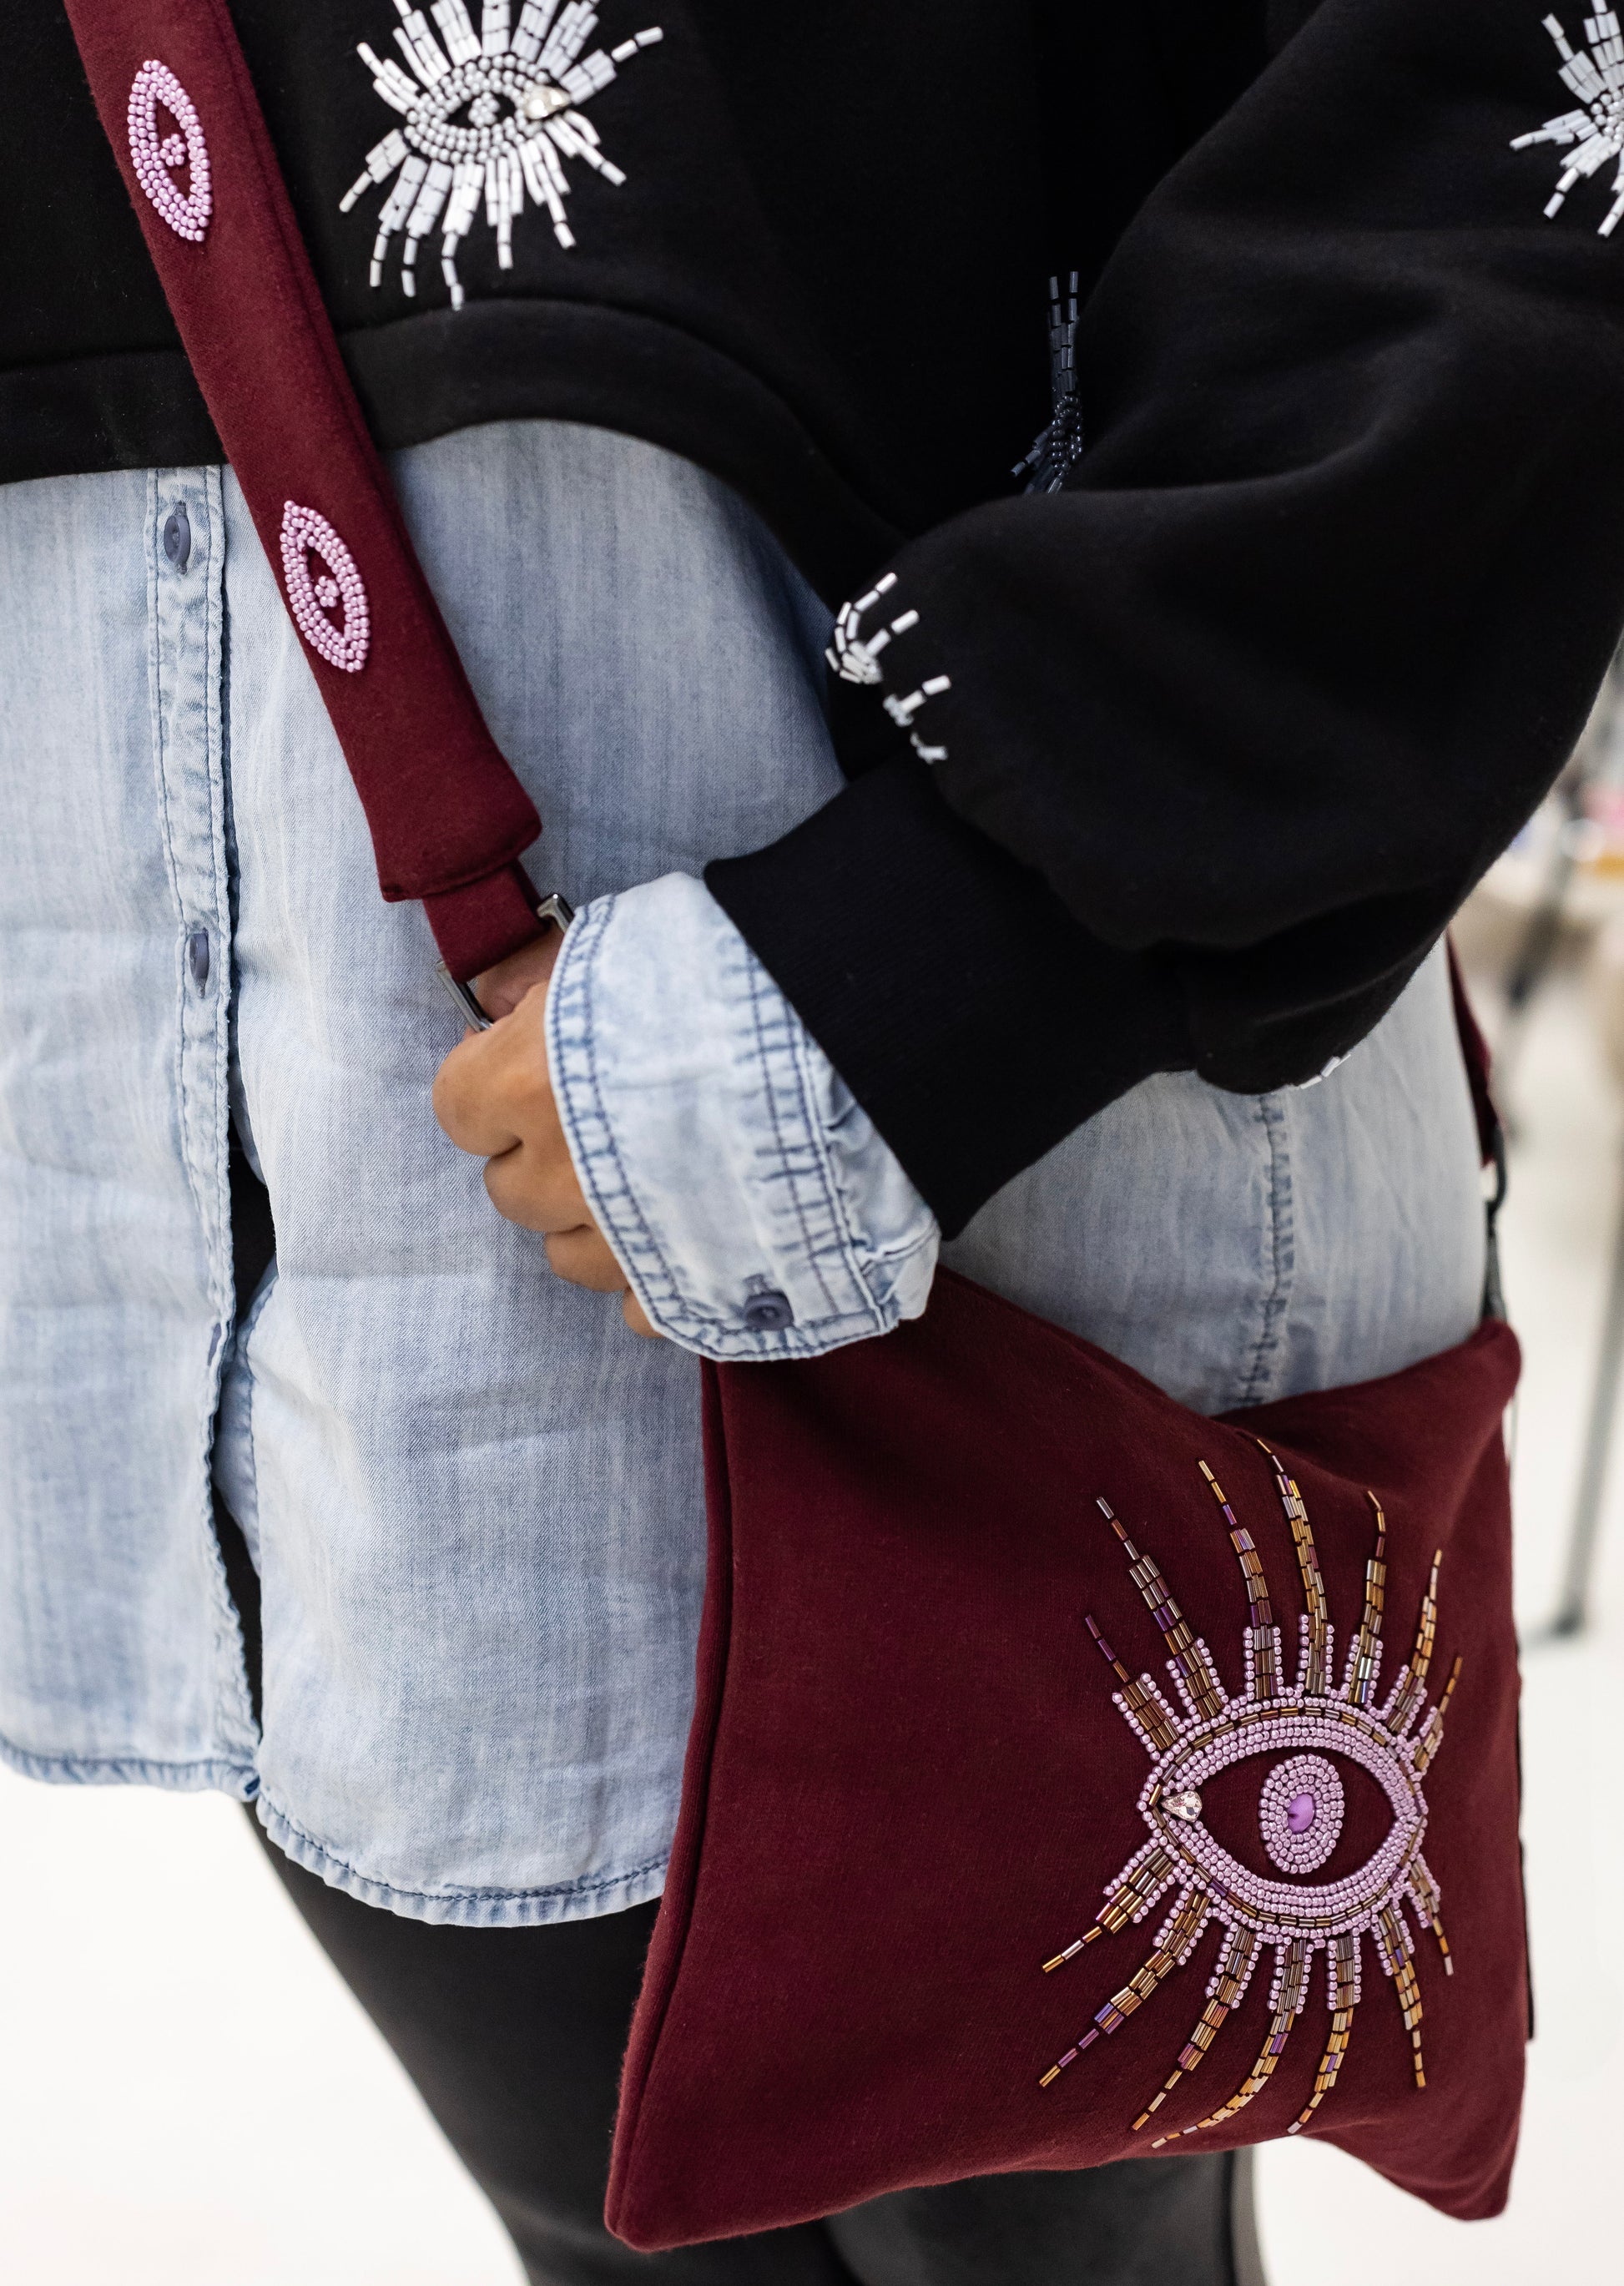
{"type": "Point", "coordinates": [1554, 904]}
{"type": "Point", "coordinates": [1559, 885]}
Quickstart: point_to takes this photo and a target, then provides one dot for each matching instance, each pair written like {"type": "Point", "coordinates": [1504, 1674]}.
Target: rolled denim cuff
{"type": "Point", "coordinates": [752, 1205]}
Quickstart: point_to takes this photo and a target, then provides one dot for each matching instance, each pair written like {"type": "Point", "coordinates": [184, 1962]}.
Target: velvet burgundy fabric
{"type": "Point", "coordinates": [908, 1785]}
{"type": "Point", "coordinates": [448, 815]}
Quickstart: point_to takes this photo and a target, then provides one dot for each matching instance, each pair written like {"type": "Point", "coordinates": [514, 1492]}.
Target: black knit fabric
{"type": "Point", "coordinates": [1185, 764]}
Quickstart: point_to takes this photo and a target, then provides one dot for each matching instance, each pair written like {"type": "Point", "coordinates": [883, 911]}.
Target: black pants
{"type": "Point", "coordinates": [514, 2036]}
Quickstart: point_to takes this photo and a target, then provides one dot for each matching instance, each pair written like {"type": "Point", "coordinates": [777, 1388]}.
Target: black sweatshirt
{"type": "Point", "coordinates": [1183, 764]}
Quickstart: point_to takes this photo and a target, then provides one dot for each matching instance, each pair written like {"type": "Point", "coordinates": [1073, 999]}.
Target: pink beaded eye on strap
{"type": "Point", "coordinates": [342, 644]}
{"type": "Point", "coordinates": [157, 156]}
{"type": "Point", "coordinates": [448, 815]}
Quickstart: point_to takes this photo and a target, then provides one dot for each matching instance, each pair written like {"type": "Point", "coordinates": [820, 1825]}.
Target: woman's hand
{"type": "Point", "coordinates": [494, 1098]}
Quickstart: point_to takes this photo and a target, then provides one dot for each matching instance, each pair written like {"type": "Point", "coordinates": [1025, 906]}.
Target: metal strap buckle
{"type": "Point", "coordinates": [555, 909]}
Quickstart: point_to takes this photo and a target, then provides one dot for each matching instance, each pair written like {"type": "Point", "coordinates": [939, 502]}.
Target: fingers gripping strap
{"type": "Point", "coordinates": [447, 817]}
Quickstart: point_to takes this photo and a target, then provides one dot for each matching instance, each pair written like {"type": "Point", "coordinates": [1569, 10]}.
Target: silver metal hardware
{"type": "Point", "coordinates": [555, 909]}
{"type": "Point", "coordinates": [468, 1004]}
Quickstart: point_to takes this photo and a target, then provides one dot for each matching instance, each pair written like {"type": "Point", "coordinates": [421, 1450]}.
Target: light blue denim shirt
{"type": "Point", "coordinates": [475, 1500]}
{"type": "Point", "coordinates": [747, 1194]}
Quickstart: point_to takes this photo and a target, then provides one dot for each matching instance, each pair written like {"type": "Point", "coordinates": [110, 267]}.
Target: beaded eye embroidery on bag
{"type": "Point", "coordinates": [1300, 1813]}
{"type": "Point", "coordinates": [1597, 80]}
{"type": "Point", "coordinates": [490, 117]}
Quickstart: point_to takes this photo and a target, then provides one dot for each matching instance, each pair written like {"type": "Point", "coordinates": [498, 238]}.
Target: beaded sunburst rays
{"type": "Point", "coordinates": [487, 119]}
{"type": "Point", "coordinates": [1300, 1814]}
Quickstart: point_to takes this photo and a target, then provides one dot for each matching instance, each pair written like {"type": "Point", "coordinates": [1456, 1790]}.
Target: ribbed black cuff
{"type": "Point", "coordinates": [975, 1021]}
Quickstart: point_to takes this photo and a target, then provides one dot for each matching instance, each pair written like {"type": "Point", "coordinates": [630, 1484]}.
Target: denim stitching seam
{"type": "Point", "coordinates": [576, 1059]}
{"type": "Point", "coordinates": [617, 1209]}
{"type": "Point", "coordinates": [1268, 1353]}
{"type": "Point", "coordinates": [584, 1885]}
{"type": "Point", "coordinates": [809, 1140]}
{"type": "Point", "coordinates": [234, 1709]}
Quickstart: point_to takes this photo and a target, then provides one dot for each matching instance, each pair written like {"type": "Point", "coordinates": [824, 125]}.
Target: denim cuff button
{"type": "Point", "coordinates": [769, 1312]}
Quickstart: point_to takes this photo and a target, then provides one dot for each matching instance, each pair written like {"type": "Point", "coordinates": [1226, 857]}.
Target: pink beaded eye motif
{"type": "Point", "coordinates": [1294, 1731]}
{"type": "Point", "coordinates": [167, 150]}
{"type": "Point", "coordinates": [332, 587]}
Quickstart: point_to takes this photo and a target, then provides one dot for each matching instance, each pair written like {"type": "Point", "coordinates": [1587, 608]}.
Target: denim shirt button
{"type": "Point", "coordinates": [177, 538]}
{"type": "Point", "coordinates": [197, 958]}
{"type": "Point", "coordinates": [769, 1312]}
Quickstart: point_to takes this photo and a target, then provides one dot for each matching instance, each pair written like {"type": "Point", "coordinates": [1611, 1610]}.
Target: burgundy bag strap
{"type": "Point", "coordinates": [447, 817]}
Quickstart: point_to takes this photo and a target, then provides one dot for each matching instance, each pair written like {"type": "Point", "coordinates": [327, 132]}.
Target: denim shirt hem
{"type": "Point", "coordinates": [210, 1774]}
{"type": "Point", "coordinates": [583, 1899]}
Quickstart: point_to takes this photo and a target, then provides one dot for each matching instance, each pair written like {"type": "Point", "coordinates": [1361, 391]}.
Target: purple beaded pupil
{"type": "Point", "coordinates": [1300, 1811]}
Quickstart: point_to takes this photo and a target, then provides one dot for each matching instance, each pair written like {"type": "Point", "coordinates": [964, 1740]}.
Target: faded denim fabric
{"type": "Point", "coordinates": [725, 1161]}
{"type": "Point", "coordinates": [1240, 1247]}
{"type": "Point", "coordinates": [475, 1500]}
{"type": "Point", "coordinates": [1214, 1241]}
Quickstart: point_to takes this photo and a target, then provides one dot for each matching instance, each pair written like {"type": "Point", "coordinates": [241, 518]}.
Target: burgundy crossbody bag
{"type": "Point", "coordinates": [1071, 1777]}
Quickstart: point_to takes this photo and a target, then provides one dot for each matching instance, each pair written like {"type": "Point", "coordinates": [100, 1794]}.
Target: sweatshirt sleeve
{"type": "Point", "coordinates": [1187, 763]}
